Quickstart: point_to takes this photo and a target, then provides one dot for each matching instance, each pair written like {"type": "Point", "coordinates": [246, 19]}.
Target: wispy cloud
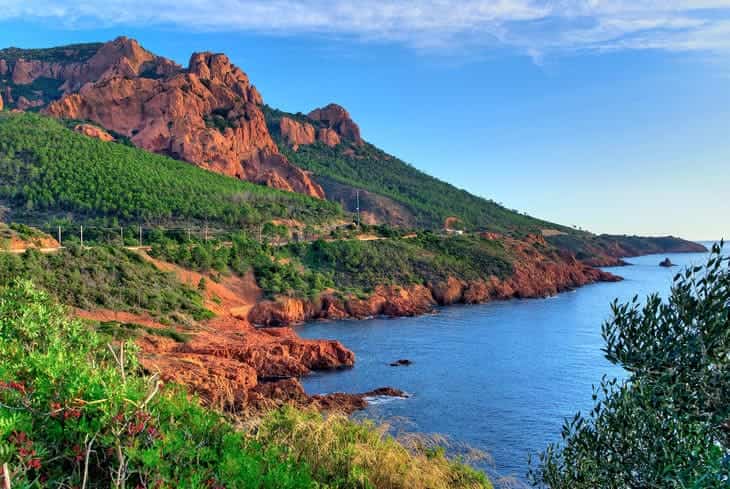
{"type": "Point", "coordinates": [536, 27]}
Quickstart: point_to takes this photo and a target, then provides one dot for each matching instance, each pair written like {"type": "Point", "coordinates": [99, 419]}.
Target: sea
{"type": "Point", "coordinates": [496, 381]}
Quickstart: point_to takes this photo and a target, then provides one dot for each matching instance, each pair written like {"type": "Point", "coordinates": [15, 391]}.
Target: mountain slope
{"type": "Point", "coordinates": [412, 197]}
{"type": "Point", "coordinates": [47, 170]}
{"type": "Point", "coordinates": [208, 114]}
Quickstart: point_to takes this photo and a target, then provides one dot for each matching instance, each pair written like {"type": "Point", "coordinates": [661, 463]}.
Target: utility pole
{"type": "Point", "coordinates": [121, 234]}
{"type": "Point", "coordinates": [140, 236]}
{"type": "Point", "coordinates": [59, 236]}
{"type": "Point", "coordinates": [357, 207]}
{"type": "Point", "coordinates": [82, 236]}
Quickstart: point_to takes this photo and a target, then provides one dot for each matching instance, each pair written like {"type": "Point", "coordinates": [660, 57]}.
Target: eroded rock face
{"type": "Point", "coordinates": [338, 119]}
{"type": "Point", "coordinates": [296, 133]}
{"type": "Point", "coordinates": [24, 104]}
{"type": "Point", "coordinates": [120, 57]}
{"type": "Point", "coordinates": [328, 136]}
{"type": "Point", "coordinates": [209, 115]}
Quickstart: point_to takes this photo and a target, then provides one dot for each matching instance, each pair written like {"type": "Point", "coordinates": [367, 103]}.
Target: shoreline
{"type": "Point", "coordinates": [436, 308]}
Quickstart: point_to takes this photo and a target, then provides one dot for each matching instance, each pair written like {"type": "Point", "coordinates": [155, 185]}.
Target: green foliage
{"type": "Point", "coordinates": [76, 412]}
{"type": "Point", "coordinates": [307, 268]}
{"type": "Point", "coordinates": [105, 277]}
{"type": "Point", "coordinates": [274, 272]}
{"type": "Point", "coordinates": [70, 410]}
{"type": "Point", "coordinates": [363, 265]}
{"type": "Point", "coordinates": [47, 169]}
{"type": "Point", "coordinates": [123, 331]}
{"type": "Point", "coordinates": [667, 426]}
{"type": "Point", "coordinates": [430, 199]}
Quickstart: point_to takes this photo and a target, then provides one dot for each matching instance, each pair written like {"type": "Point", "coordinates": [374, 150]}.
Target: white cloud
{"type": "Point", "coordinates": [533, 26]}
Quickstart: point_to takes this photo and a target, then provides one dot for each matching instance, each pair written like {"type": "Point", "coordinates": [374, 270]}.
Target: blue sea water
{"type": "Point", "coordinates": [499, 377]}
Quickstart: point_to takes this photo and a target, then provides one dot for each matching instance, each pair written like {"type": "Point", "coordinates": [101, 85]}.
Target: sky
{"type": "Point", "coordinates": [609, 115]}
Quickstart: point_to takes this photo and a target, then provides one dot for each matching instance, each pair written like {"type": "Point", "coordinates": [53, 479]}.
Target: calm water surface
{"type": "Point", "coordinates": [500, 377]}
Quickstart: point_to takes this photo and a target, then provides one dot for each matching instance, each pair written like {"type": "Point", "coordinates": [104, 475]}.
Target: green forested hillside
{"type": "Point", "coordinates": [429, 199]}
{"type": "Point", "coordinates": [49, 170]}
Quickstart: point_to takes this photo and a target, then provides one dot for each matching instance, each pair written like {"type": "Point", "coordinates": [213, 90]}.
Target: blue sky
{"type": "Point", "coordinates": [609, 115]}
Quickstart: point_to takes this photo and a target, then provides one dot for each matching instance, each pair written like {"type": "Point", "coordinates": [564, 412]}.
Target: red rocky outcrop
{"type": "Point", "coordinates": [296, 133]}
{"type": "Point", "coordinates": [338, 119]}
{"type": "Point", "coordinates": [209, 115]}
{"type": "Point", "coordinates": [93, 132]}
{"type": "Point", "coordinates": [122, 57]}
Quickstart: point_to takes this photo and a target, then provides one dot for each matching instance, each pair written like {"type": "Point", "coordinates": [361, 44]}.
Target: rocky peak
{"type": "Point", "coordinates": [218, 69]}
{"type": "Point", "coordinates": [335, 117]}
{"type": "Point", "coordinates": [209, 115]}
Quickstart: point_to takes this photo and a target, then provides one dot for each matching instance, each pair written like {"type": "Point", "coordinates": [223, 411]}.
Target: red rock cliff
{"type": "Point", "coordinates": [296, 133]}
{"type": "Point", "coordinates": [209, 115]}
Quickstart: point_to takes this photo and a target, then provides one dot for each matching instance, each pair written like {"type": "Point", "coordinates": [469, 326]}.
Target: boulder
{"type": "Point", "coordinates": [93, 132]}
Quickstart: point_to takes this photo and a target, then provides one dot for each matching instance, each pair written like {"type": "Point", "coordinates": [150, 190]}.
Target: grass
{"type": "Point", "coordinates": [123, 331]}
{"type": "Point", "coordinates": [364, 453]}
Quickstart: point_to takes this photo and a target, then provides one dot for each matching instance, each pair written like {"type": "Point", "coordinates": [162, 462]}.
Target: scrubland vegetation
{"type": "Point", "coordinates": [75, 412]}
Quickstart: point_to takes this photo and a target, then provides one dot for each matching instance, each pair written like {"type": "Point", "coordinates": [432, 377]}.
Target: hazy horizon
{"type": "Point", "coordinates": [610, 116]}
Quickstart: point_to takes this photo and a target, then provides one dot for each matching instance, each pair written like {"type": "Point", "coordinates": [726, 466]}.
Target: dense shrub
{"type": "Point", "coordinates": [107, 278]}
{"type": "Point", "coordinates": [307, 268]}
{"type": "Point", "coordinates": [274, 272]}
{"type": "Point", "coordinates": [427, 258]}
{"type": "Point", "coordinates": [668, 424]}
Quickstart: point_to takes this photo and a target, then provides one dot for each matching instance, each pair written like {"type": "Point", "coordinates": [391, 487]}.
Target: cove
{"type": "Point", "coordinates": [499, 377]}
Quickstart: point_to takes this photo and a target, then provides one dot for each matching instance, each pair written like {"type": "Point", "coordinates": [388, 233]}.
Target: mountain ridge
{"type": "Point", "coordinates": [211, 115]}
